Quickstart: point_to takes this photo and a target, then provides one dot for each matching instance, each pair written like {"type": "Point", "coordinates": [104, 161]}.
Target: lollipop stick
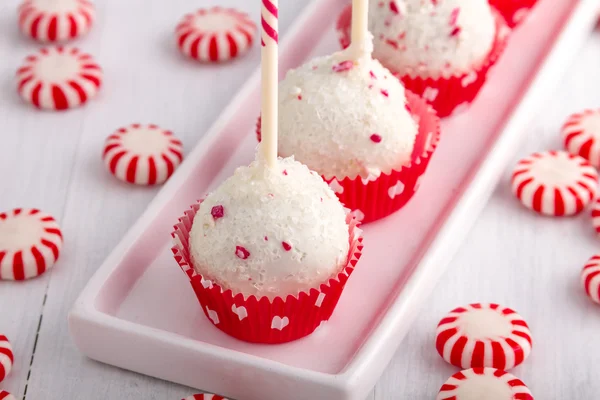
{"type": "Point", "coordinates": [269, 69]}
{"type": "Point", "coordinates": [360, 25]}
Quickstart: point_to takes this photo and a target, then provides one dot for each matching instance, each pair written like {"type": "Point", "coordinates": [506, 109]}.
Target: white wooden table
{"type": "Point", "coordinates": [52, 161]}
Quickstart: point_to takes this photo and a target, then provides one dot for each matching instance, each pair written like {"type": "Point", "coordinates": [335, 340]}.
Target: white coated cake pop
{"type": "Point", "coordinates": [432, 38]}
{"type": "Point", "coordinates": [345, 116]}
{"type": "Point", "coordinates": [270, 231]}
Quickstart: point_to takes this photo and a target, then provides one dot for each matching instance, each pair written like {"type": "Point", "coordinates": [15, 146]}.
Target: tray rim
{"type": "Point", "coordinates": [470, 203]}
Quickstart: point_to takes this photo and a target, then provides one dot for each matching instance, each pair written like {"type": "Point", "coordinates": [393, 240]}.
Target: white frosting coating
{"type": "Point", "coordinates": [279, 231]}
{"type": "Point", "coordinates": [431, 37]}
{"type": "Point", "coordinates": [345, 118]}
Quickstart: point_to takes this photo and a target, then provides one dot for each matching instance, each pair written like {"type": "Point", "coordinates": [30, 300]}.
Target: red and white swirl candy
{"type": "Point", "coordinates": [58, 78]}
{"type": "Point", "coordinates": [4, 395]}
{"type": "Point", "coordinates": [555, 183]}
{"type": "Point", "coordinates": [56, 20]}
{"type": "Point", "coordinates": [205, 396]}
{"type": "Point", "coordinates": [596, 216]}
{"type": "Point", "coordinates": [590, 278]}
{"type": "Point", "coordinates": [6, 357]}
{"type": "Point", "coordinates": [483, 335]}
{"type": "Point", "coordinates": [30, 243]}
{"type": "Point", "coordinates": [581, 135]}
{"type": "Point", "coordinates": [484, 383]}
{"type": "Point", "coordinates": [142, 154]}
{"type": "Point", "coordinates": [215, 35]}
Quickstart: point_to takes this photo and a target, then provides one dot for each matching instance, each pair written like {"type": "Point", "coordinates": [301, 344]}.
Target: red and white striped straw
{"type": "Point", "coordinates": [269, 68]}
{"type": "Point", "coordinates": [360, 26]}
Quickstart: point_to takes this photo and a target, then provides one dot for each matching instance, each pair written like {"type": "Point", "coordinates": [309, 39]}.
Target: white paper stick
{"type": "Point", "coordinates": [360, 26]}
{"type": "Point", "coordinates": [270, 78]}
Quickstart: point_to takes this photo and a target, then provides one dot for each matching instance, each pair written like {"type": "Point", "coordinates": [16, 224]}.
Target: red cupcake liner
{"type": "Point", "coordinates": [371, 200]}
{"type": "Point", "coordinates": [263, 320]}
{"type": "Point", "coordinates": [513, 11]}
{"type": "Point", "coordinates": [445, 94]}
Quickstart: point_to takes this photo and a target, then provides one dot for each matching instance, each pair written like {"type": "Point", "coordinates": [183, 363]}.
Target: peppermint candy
{"type": "Point", "coordinates": [142, 154]}
{"type": "Point", "coordinates": [6, 358]}
{"type": "Point", "coordinates": [596, 216]}
{"type": "Point", "coordinates": [59, 78]}
{"type": "Point", "coordinates": [204, 396]}
{"type": "Point", "coordinates": [483, 335]}
{"type": "Point", "coordinates": [4, 395]}
{"type": "Point", "coordinates": [56, 20]}
{"type": "Point", "coordinates": [215, 35]}
{"type": "Point", "coordinates": [555, 183]}
{"type": "Point", "coordinates": [590, 278]}
{"type": "Point", "coordinates": [484, 383]}
{"type": "Point", "coordinates": [30, 243]}
{"type": "Point", "coordinates": [581, 135]}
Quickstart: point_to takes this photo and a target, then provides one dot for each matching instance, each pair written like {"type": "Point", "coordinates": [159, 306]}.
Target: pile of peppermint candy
{"type": "Point", "coordinates": [564, 183]}
{"type": "Point", "coordinates": [59, 77]}
{"type": "Point", "coordinates": [486, 340]}
{"type": "Point", "coordinates": [483, 340]}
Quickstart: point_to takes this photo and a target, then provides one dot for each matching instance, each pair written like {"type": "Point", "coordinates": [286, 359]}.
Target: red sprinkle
{"type": "Point", "coordinates": [285, 172]}
{"type": "Point", "coordinates": [266, 239]}
{"type": "Point", "coordinates": [371, 86]}
{"type": "Point", "coordinates": [299, 97]}
{"type": "Point", "coordinates": [241, 252]}
{"type": "Point", "coordinates": [376, 138]}
{"type": "Point", "coordinates": [402, 35]}
{"type": "Point", "coordinates": [455, 31]}
{"type": "Point", "coordinates": [408, 108]}
{"type": "Point", "coordinates": [392, 43]}
{"type": "Point", "coordinates": [385, 93]}
{"type": "Point", "coordinates": [454, 16]}
{"type": "Point", "coordinates": [286, 246]}
{"type": "Point", "coordinates": [394, 7]}
{"type": "Point", "coordinates": [372, 74]}
{"type": "Point", "coordinates": [343, 66]}
{"type": "Point", "coordinates": [217, 212]}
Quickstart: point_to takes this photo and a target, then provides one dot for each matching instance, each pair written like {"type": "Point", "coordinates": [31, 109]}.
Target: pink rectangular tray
{"type": "Point", "coordinates": [138, 311]}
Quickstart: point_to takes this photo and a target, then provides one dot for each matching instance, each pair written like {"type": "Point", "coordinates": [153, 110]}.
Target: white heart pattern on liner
{"type": "Point", "coordinates": [395, 190]}
{"type": "Point", "coordinates": [279, 323]}
{"type": "Point", "coordinates": [461, 108]}
{"type": "Point", "coordinates": [214, 317]}
{"type": "Point", "coordinates": [429, 142]}
{"type": "Point", "coordinates": [418, 183]}
{"type": "Point", "coordinates": [430, 94]}
{"type": "Point", "coordinates": [206, 284]}
{"type": "Point", "coordinates": [239, 311]}
{"type": "Point", "coordinates": [468, 79]}
{"type": "Point", "coordinates": [359, 215]}
{"type": "Point", "coordinates": [504, 32]}
{"type": "Point", "coordinates": [320, 299]}
{"type": "Point", "coordinates": [520, 15]}
{"type": "Point", "coordinates": [336, 187]}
